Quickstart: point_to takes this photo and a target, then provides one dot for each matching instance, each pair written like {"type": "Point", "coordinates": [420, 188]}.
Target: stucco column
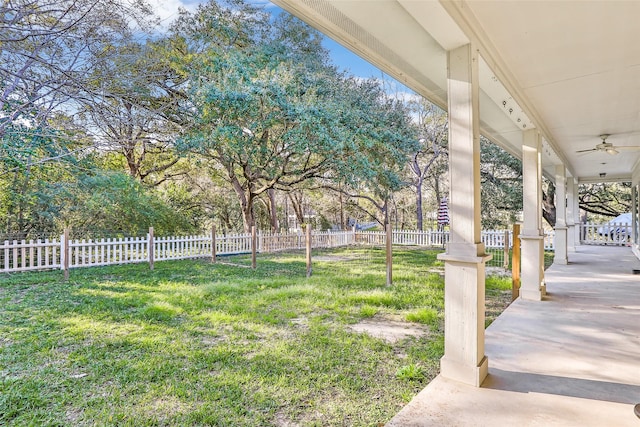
{"type": "Point", "coordinates": [532, 234]}
{"type": "Point", "coordinates": [560, 229]}
{"type": "Point", "coordinates": [464, 306]}
{"type": "Point", "coordinates": [571, 218]}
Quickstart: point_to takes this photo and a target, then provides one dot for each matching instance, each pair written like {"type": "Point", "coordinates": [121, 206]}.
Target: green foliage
{"type": "Point", "coordinates": [605, 200]}
{"type": "Point", "coordinates": [501, 189]}
{"type": "Point", "coordinates": [275, 114]}
{"type": "Point", "coordinates": [115, 202]}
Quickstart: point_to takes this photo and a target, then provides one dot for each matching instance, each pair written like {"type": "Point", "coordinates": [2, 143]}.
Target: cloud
{"type": "Point", "coordinates": [262, 3]}
{"type": "Point", "coordinates": [167, 10]}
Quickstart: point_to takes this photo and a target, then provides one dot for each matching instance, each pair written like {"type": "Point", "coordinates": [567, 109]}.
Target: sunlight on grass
{"type": "Point", "coordinates": [368, 311]}
{"type": "Point", "coordinates": [160, 311]}
{"type": "Point", "coordinates": [380, 298]}
{"type": "Point", "coordinates": [84, 326]}
{"type": "Point", "coordinates": [218, 317]}
{"type": "Point", "coordinates": [426, 316]}
{"type": "Point", "coordinates": [195, 343]}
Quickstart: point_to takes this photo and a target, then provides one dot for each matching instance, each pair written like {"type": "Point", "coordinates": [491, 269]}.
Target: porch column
{"type": "Point", "coordinates": [576, 212]}
{"type": "Point", "coordinates": [464, 359]}
{"type": "Point", "coordinates": [634, 215]}
{"type": "Point", "coordinates": [532, 235]}
{"type": "Point", "coordinates": [571, 218]}
{"type": "Point", "coordinates": [560, 236]}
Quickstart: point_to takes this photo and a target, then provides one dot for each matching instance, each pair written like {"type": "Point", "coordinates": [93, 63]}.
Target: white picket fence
{"type": "Point", "coordinates": [48, 254]}
{"type": "Point", "coordinates": [430, 238]}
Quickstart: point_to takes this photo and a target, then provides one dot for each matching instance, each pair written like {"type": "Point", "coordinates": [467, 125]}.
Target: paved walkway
{"type": "Point", "coordinates": [572, 359]}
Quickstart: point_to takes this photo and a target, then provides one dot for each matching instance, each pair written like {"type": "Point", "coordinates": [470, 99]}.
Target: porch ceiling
{"type": "Point", "coordinates": [571, 69]}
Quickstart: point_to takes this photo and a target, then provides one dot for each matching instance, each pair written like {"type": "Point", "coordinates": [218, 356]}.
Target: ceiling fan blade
{"type": "Point", "coordinates": [627, 147]}
{"type": "Point", "coordinates": [584, 151]}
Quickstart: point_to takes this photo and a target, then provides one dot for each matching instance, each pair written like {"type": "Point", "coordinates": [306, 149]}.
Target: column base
{"type": "Point", "coordinates": [532, 295]}
{"type": "Point", "coordinates": [532, 285]}
{"type": "Point", "coordinates": [466, 374]}
{"type": "Point", "coordinates": [464, 303]}
{"type": "Point", "coordinates": [571, 238]}
{"type": "Point", "coordinates": [560, 243]}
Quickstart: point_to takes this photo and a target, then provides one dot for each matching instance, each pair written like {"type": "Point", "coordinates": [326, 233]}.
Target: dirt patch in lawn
{"type": "Point", "coordinates": [390, 330]}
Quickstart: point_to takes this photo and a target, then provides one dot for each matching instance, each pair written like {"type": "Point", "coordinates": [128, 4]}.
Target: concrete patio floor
{"type": "Point", "coordinates": [572, 359]}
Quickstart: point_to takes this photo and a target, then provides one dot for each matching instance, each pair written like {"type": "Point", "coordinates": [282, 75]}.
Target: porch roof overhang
{"type": "Point", "coordinates": [569, 69]}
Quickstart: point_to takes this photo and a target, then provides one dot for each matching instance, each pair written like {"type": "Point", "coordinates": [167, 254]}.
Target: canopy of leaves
{"type": "Point", "coordinates": [501, 190]}
{"type": "Point", "coordinates": [605, 200]}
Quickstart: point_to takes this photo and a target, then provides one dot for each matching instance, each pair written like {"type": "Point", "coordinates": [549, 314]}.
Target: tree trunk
{"type": "Point", "coordinates": [343, 225]}
{"type": "Point", "coordinates": [385, 211]}
{"type": "Point", "coordinates": [419, 215]}
{"type": "Point", "coordinates": [549, 205]}
{"type": "Point", "coordinates": [273, 212]}
{"type": "Point", "coordinates": [245, 198]}
{"type": "Point", "coordinates": [296, 202]}
{"type": "Point", "coordinates": [248, 217]}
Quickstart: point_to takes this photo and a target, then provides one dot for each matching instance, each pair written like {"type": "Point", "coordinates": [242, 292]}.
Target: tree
{"type": "Point", "coordinates": [34, 171]}
{"type": "Point", "coordinates": [501, 189]}
{"type": "Point", "coordinates": [47, 49]}
{"type": "Point", "coordinates": [127, 104]}
{"type": "Point", "coordinates": [549, 202]}
{"type": "Point", "coordinates": [274, 114]}
{"type": "Point", "coordinates": [607, 199]}
{"type": "Point", "coordinates": [433, 125]}
{"type": "Point", "coordinates": [113, 202]}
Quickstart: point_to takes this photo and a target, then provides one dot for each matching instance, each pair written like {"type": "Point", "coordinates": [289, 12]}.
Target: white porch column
{"type": "Point", "coordinates": [464, 359]}
{"type": "Point", "coordinates": [572, 207]}
{"type": "Point", "coordinates": [560, 237]}
{"type": "Point", "coordinates": [634, 215]}
{"type": "Point", "coordinates": [576, 212]}
{"type": "Point", "coordinates": [532, 235]}
{"type": "Point", "coordinates": [571, 217]}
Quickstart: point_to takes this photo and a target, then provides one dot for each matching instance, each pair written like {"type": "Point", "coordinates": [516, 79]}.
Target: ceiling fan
{"type": "Point", "coordinates": [608, 147]}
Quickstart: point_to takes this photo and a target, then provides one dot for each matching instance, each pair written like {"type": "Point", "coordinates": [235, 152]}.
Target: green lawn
{"type": "Point", "coordinates": [195, 343]}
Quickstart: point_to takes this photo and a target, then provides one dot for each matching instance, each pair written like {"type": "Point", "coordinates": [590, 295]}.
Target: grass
{"type": "Point", "coordinates": [194, 343]}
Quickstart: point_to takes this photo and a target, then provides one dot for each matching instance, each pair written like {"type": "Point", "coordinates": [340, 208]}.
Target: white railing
{"type": "Point", "coordinates": [50, 254]}
{"type": "Point", "coordinates": [618, 234]}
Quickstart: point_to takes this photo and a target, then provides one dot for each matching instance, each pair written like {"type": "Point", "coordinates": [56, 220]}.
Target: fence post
{"type": "Point", "coordinates": [389, 246]}
{"type": "Point", "coordinates": [213, 243]}
{"type": "Point", "coordinates": [65, 253]}
{"type": "Point", "coordinates": [254, 246]}
{"type": "Point", "coordinates": [150, 247]}
{"type": "Point", "coordinates": [515, 263]}
{"type": "Point", "coordinates": [308, 245]}
{"type": "Point", "coordinates": [505, 264]}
